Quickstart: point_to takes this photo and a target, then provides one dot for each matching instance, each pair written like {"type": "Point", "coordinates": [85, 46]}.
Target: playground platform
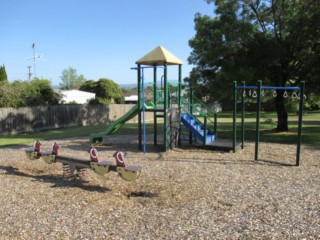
{"type": "Point", "coordinates": [222, 145]}
{"type": "Point", "coordinates": [219, 144]}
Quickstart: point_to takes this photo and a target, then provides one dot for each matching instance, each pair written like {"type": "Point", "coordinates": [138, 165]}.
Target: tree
{"type": "Point", "coordinates": [106, 90]}
{"type": "Point", "coordinates": [8, 96]}
{"type": "Point", "coordinates": [44, 95]}
{"type": "Point", "coordinates": [70, 79]}
{"type": "Point", "coordinates": [3, 75]}
{"type": "Point", "coordinates": [37, 92]}
{"type": "Point", "coordinates": [89, 86]}
{"type": "Point", "coordinates": [276, 41]}
{"type": "Point", "coordinates": [129, 91]}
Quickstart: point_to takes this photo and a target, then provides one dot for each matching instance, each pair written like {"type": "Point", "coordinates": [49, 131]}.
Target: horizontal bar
{"type": "Point", "coordinates": [268, 87]}
{"type": "Point", "coordinates": [136, 68]}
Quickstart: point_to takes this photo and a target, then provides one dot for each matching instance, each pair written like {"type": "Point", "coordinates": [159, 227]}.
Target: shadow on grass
{"type": "Point", "coordinates": [57, 181]}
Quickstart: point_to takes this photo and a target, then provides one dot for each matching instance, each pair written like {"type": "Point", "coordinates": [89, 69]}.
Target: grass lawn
{"type": "Point", "coordinates": [268, 123]}
{"type": "Point", "coordinates": [310, 132]}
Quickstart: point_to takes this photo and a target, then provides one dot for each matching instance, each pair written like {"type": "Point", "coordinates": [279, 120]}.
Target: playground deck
{"type": "Point", "coordinates": [222, 144]}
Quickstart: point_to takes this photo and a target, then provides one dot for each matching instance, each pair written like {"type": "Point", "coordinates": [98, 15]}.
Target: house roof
{"type": "Point", "coordinates": [77, 96]}
{"type": "Point", "coordinates": [131, 98]}
{"type": "Point", "coordinates": [77, 92]}
{"type": "Point", "coordinates": [158, 57]}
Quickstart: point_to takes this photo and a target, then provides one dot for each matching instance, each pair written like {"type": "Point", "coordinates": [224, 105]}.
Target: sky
{"type": "Point", "coordinates": [98, 38]}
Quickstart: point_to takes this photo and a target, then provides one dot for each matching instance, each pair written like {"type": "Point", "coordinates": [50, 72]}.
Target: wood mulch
{"type": "Point", "coordinates": [185, 193]}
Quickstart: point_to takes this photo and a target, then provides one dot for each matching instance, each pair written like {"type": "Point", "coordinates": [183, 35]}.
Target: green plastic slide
{"type": "Point", "coordinates": [114, 126]}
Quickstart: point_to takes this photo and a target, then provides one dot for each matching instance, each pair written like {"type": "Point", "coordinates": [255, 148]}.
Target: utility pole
{"type": "Point", "coordinates": [30, 73]}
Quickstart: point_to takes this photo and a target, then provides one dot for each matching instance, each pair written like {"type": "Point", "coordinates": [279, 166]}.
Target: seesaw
{"type": "Point", "coordinates": [35, 153]}
{"type": "Point", "coordinates": [74, 165]}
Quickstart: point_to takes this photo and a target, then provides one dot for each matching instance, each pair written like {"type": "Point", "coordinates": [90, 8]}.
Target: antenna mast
{"type": "Point", "coordinates": [35, 57]}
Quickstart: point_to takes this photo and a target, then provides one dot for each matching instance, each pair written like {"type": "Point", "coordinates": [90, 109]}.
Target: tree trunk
{"type": "Point", "coordinates": [281, 112]}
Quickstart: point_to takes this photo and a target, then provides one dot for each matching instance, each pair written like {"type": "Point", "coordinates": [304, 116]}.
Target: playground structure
{"type": "Point", "coordinates": [184, 119]}
{"type": "Point", "coordinates": [258, 93]}
{"type": "Point", "coordinates": [175, 111]}
{"type": "Point", "coordinates": [74, 166]}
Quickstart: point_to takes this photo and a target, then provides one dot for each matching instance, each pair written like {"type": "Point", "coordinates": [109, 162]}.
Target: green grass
{"type": "Point", "coordinates": [268, 121]}
{"type": "Point", "coordinates": [63, 133]}
{"type": "Point", "coordinates": [27, 138]}
{"type": "Point", "coordinates": [310, 132]}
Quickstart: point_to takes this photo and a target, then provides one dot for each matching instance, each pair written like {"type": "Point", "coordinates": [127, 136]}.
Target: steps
{"type": "Point", "coordinates": [196, 127]}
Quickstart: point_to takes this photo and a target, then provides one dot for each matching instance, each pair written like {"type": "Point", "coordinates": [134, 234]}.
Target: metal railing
{"type": "Point", "coordinates": [194, 110]}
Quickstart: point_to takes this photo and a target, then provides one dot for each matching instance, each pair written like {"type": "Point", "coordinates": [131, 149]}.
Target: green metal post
{"type": "Point", "coordinates": [179, 102]}
{"type": "Point", "coordinates": [179, 87]}
{"type": "Point", "coordinates": [155, 130]}
{"type": "Point", "coordinates": [302, 86]}
{"type": "Point", "coordinates": [139, 106]}
{"type": "Point", "coordinates": [155, 86]}
{"type": "Point", "coordinates": [234, 142]}
{"type": "Point", "coordinates": [165, 108]}
{"type": "Point", "coordinates": [256, 155]}
{"type": "Point", "coordinates": [215, 124]}
{"type": "Point", "coordinates": [191, 109]}
{"type": "Point", "coordinates": [242, 115]}
{"type": "Point", "coordinates": [205, 130]}
{"type": "Point", "coordinates": [171, 139]}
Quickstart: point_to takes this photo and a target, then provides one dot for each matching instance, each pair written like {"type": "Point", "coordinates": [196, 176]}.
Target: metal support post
{"type": "Point", "coordinates": [256, 154]}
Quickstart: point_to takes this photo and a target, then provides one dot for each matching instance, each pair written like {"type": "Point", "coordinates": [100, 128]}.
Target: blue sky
{"type": "Point", "coordinates": [99, 38]}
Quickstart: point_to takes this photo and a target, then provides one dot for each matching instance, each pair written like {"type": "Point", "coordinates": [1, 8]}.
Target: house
{"type": "Point", "coordinates": [131, 99]}
{"type": "Point", "coordinates": [76, 96]}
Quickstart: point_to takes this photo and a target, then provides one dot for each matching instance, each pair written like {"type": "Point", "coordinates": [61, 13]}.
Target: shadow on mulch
{"type": "Point", "coordinates": [275, 163]}
{"type": "Point", "coordinates": [142, 194]}
{"type": "Point", "coordinates": [57, 181]}
{"type": "Point", "coordinates": [229, 162]}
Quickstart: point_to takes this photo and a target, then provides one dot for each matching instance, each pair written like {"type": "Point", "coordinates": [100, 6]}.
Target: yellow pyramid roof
{"type": "Point", "coordinates": [158, 57]}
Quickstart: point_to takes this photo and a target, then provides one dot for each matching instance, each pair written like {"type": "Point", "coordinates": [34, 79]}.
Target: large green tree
{"type": "Point", "coordinates": [106, 90]}
{"type": "Point", "coordinates": [70, 79]}
{"type": "Point", "coordinates": [277, 41]}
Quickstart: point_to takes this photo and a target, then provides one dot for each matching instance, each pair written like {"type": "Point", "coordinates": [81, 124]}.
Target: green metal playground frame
{"type": "Point", "coordinates": [259, 89]}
